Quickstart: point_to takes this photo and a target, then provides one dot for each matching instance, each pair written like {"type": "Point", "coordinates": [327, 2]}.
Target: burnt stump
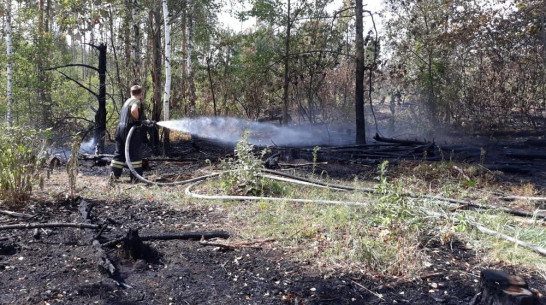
{"type": "Point", "coordinates": [500, 288]}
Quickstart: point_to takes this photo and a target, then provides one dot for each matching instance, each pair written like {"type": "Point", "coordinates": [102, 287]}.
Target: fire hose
{"type": "Point", "coordinates": [284, 177]}
{"type": "Point", "coordinates": [299, 180]}
{"type": "Point", "coordinates": [280, 176]}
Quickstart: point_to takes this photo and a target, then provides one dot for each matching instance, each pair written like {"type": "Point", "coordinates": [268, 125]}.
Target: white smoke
{"type": "Point", "coordinates": [88, 147]}
{"type": "Point", "coordinates": [230, 130]}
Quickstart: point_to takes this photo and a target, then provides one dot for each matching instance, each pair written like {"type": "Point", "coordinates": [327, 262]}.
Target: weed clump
{"type": "Point", "coordinates": [242, 175]}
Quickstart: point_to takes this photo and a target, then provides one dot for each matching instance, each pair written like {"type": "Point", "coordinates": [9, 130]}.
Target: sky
{"type": "Point", "coordinates": [231, 22]}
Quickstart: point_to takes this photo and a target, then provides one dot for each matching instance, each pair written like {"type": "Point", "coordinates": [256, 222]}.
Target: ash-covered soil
{"type": "Point", "coordinates": [61, 267]}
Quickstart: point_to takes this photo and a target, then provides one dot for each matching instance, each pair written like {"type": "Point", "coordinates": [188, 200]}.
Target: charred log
{"type": "Point", "coordinates": [397, 141]}
{"type": "Point", "coordinates": [50, 225]}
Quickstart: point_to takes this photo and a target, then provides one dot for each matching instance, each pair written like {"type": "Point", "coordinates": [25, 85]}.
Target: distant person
{"type": "Point", "coordinates": [131, 115]}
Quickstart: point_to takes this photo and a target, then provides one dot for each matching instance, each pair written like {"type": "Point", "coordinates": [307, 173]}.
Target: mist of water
{"type": "Point", "coordinates": [230, 130]}
{"type": "Point", "coordinates": [88, 147]}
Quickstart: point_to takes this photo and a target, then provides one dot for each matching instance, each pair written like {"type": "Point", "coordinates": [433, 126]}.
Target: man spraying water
{"type": "Point", "coordinates": [131, 115]}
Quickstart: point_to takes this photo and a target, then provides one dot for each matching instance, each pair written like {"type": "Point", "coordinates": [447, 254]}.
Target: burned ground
{"type": "Point", "coordinates": [59, 266]}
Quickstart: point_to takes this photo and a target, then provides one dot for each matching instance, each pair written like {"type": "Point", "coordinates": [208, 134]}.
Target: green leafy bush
{"type": "Point", "coordinates": [242, 175]}
{"type": "Point", "coordinates": [19, 162]}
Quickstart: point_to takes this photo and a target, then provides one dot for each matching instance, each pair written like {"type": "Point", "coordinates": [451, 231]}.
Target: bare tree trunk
{"type": "Point", "coordinates": [191, 73]}
{"type": "Point", "coordinates": [121, 86]}
{"type": "Point", "coordinates": [183, 66]}
{"type": "Point", "coordinates": [9, 94]}
{"type": "Point", "coordinates": [167, 91]}
{"type": "Point", "coordinates": [137, 78]}
{"type": "Point", "coordinates": [359, 85]}
{"type": "Point", "coordinates": [286, 62]}
{"type": "Point", "coordinates": [48, 16]}
{"type": "Point", "coordinates": [155, 26]}
{"type": "Point", "coordinates": [127, 38]}
{"type": "Point", "coordinates": [543, 29]}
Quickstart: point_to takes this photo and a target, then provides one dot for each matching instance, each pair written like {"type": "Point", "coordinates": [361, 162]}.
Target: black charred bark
{"type": "Point", "coordinates": [359, 77]}
{"type": "Point", "coordinates": [100, 115]}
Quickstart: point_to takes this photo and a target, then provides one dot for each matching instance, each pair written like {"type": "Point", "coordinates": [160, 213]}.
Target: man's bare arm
{"type": "Point", "coordinates": [134, 111]}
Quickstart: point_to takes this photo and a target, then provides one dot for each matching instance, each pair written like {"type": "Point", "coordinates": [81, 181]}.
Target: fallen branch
{"type": "Point", "coordinates": [302, 164]}
{"type": "Point", "coordinates": [49, 225]}
{"type": "Point", "coordinates": [188, 236]}
{"type": "Point", "coordinates": [180, 236]}
{"type": "Point", "coordinates": [529, 198]}
{"type": "Point", "coordinates": [249, 244]}
{"type": "Point", "coordinates": [15, 214]}
{"type": "Point", "coordinates": [488, 231]}
{"type": "Point", "coordinates": [378, 295]}
{"type": "Point", "coordinates": [479, 205]}
{"type": "Point", "coordinates": [518, 242]}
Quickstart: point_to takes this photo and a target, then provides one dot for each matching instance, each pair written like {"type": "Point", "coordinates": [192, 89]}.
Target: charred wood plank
{"type": "Point", "coordinates": [49, 225]}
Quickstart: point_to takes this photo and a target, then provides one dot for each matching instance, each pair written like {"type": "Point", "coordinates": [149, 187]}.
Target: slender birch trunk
{"type": "Point", "coordinates": [9, 94]}
{"type": "Point", "coordinates": [167, 92]}
{"type": "Point", "coordinates": [191, 72]}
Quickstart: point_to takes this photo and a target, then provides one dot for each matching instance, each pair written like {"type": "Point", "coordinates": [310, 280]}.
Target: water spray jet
{"type": "Point", "coordinates": [229, 130]}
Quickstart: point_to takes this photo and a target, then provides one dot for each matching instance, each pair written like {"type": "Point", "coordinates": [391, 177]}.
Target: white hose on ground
{"type": "Point", "coordinates": [139, 177]}
{"type": "Point", "coordinates": [485, 230]}
{"type": "Point", "coordinates": [189, 193]}
{"type": "Point", "coordinates": [293, 179]}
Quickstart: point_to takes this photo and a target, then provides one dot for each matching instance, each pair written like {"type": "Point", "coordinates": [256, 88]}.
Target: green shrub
{"type": "Point", "coordinates": [243, 175]}
{"type": "Point", "coordinates": [19, 162]}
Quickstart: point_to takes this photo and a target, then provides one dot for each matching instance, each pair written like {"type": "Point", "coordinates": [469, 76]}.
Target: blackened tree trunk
{"type": "Point", "coordinates": [209, 59]}
{"type": "Point", "coordinates": [100, 115]}
{"type": "Point", "coordinates": [155, 34]}
{"type": "Point", "coordinates": [359, 77]}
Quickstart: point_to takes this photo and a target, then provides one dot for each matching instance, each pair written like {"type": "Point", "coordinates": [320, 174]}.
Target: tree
{"type": "Point", "coordinates": [167, 93]}
{"type": "Point", "coordinates": [9, 85]}
{"type": "Point", "coordinates": [286, 63]}
{"type": "Point", "coordinates": [359, 77]}
{"type": "Point", "coordinates": [100, 114]}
